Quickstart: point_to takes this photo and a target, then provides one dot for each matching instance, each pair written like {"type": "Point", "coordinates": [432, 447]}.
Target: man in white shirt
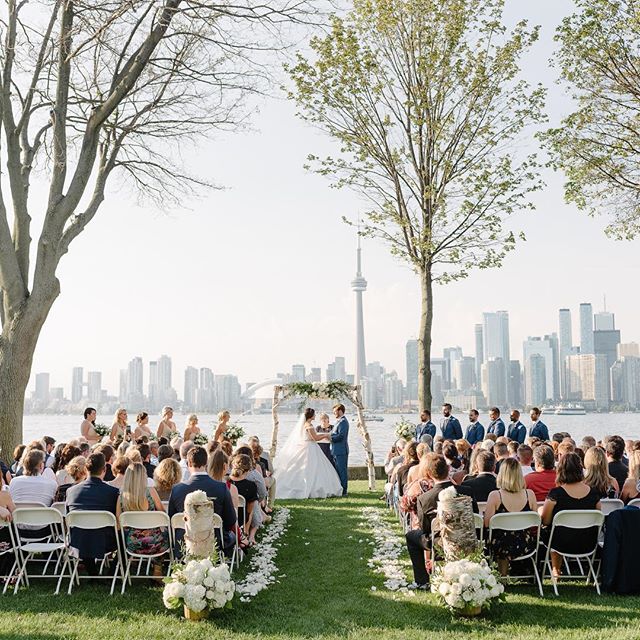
{"type": "Point", "coordinates": [49, 445]}
{"type": "Point", "coordinates": [525, 456]}
{"type": "Point", "coordinates": [185, 447]}
{"type": "Point", "coordinates": [33, 486]}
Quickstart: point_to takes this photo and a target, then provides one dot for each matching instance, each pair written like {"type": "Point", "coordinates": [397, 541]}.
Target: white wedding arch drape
{"type": "Point", "coordinates": [336, 391]}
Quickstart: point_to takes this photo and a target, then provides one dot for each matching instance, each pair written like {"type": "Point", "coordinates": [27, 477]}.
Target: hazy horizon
{"type": "Point", "coordinates": [253, 278]}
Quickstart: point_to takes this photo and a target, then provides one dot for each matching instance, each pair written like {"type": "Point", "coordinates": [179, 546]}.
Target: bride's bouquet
{"type": "Point", "coordinates": [404, 429]}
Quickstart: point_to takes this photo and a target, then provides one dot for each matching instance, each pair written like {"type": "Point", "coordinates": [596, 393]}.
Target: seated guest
{"type": "Point", "coordinates": [108, 452]}
{"type": "Point", "coordinates": [36, 445]}
{"type": "Point", "coordinates": [414, 473]}
{"type": "Point", "coordinates": [185, 447]}
{"type": "Point", "coordinates": [77, 471]}
{"type": "Point", "coordinates": [394, 456]}
{"type": "Point", "coordinates": [543, 479]}
{"type": "Point", "coordinates": [119, 467]}
{"type": "Point", "coordinates": [240, 468]}
{"type": "Point", "coordinates": [164, 451]}
{"type": "Point", "coordinates": [419, 540]}
{"type": "Point", "coordinates": [218, 467]}
{"type": "Point", "coordinates": [255, 475]}
{"type": "Point", "coordinates": [16, 466]}
{"type": "Point", "coordinates": [68, 454]}
{"type": "Point", "coordinates": [33, 485]}
{"type": "Point", "coordinates": [166, 476]}
{"type": "Point", "coordinates": [155, 448]}
{"type": "Point", "coordinates": [501, 452]}
{"type": "Point", "coordinates": [615, 451]}
{"type": "Point", "coordinates": [137, 496]}
{"type": "Point", "coordinates": [525, 457]}
{"type": "Point", "coordinates": [511, 496]}
{"type": "Point", "coordinates": [7, 508]}
{"type": "Point", "coordinates": [481, 485]}
{"type": "Point", "coordinates": [512, 445]}
{"type": "Point", "coordinates": [399, 476]}
{"type": "Point", "coordinates": [263, 463]}
{"type": "Point", "coordinates": [597, 474]}
{"type": "Point", "coordinates": [631, 487]}
{"type": "Point", "coordinates": [145, 454]}
{"type": "Point", "coordinates": [421, 483]}
{"type": "Point", "coordinates": [572, 493]}
{"type": "Point", "coordinates": [587, 443]}
{"type": "Point", "coordinates": [199, 480]}
{"type": "Point", "coordinates": [93, 495]}
{"type": "Point", "coordinates": [49, 444]}
{"type": "Point", "coordinates": [564, 447]}
{"type": "Point", "coordinates": [450, 453]}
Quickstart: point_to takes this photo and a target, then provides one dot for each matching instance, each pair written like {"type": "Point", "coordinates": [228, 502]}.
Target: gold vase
{"type": "Point", "coordinates": [196, 616]}
{"type": "Point", "coordinates": [469, 612]}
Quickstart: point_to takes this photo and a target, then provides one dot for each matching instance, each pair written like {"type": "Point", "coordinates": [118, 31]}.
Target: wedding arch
{"type": "Point", "coordinates": [338, 391]}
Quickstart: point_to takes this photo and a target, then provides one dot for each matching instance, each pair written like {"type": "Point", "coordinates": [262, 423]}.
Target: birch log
{"type": "Point", "coordinates": [277, 390]}
{"type": "Point", "coordinates": [366, 439]}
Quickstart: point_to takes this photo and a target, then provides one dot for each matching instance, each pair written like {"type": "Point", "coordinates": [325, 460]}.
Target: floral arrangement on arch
{"type": "Point", "coordinates": [467, 586]}
{"type": "Point", "coordinates": [337, 390]}
{"type": "Point", "coordinates": [233, 433]}
{"type": "Point", "coordinates": [405, 429]}
{"type": "Point", "coordinates": [199, 585]}
{"type": "Point", "coordinates": [201, 439]}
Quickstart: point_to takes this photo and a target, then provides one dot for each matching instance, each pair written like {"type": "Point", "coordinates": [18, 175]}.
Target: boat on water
{"type": "Point", "coordinates": [371, 417]}
{"type": "Point", "coordinates": [570, 410]}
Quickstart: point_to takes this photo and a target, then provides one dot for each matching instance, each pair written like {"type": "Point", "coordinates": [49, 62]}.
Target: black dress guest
{"type": "Point", "coordinates": [484, 483]}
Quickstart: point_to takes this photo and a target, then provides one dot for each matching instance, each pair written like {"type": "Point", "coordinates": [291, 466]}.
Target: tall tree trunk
{"type": "Point", "coordinates": [17, 345]}
{"type": "Point", "coordinates": [424, 340]}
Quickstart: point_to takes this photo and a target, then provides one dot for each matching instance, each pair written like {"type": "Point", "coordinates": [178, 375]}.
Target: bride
{"type": "Point", "coordinates": [301, 469]}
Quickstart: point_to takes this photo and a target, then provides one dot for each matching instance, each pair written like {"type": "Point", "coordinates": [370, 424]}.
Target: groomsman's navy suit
{"type": "Point", "coordinates": [451, 429]}
{"type": "Point", "coordinates": [340, 450]}
{"type": "Point", "coordinates": [497, 426]}
{"type": "Point", "coordinates": [517, 431]}
{"type": "Point", "coordinates": [539, 430]}
{"type": "Point", "coordinates": [425, 429]}
{"type": "Point", "coordinates": [475, 433]}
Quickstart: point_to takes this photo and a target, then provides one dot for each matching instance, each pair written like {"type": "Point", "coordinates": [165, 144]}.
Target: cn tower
{"type": "Point", "coordinates": [359, 284]}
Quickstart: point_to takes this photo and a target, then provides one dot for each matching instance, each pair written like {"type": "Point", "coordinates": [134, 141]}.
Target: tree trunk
{"type": "Point", "coordinates": [424, 340]}
{"type": "Point", "coordinates": [17, 345]}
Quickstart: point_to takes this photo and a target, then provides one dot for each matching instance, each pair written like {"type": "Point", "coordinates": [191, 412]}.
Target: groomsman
{"type": "Point", "coordinates": [517, 431]}
{"type": "Point", "coordinates": [538, 428]}
{"type": "Point", "coordinates": [450, 425]}
{"type": "Point", "coordinates": [496, 425]}
{"type": "Point", "coordinates": [475, 431]}
{"type": "Point", "coordinates": [426, 427]}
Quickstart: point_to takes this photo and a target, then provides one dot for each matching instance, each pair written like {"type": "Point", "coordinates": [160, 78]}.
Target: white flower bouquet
{"type": "Point", "coordinates": [201, 439]}
{"type": "Point", "coordinates": [466, 586]}
{"type": "Point", "coordinates": [199, 585]}
{"type": "Point", "coordinates": [234, 432]}
{"type": "Point", "coordinates": [102, 430]}
{"type": "Point", "coordinates": [404, 429]}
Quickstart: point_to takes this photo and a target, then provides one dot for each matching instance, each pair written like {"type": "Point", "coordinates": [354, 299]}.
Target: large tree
{"type": "Point", "coordinates": [89, 90]}
{"type": "Point", "coordinates": [598, 144]}
{"type": "Point", "coordinates": [425, 101]}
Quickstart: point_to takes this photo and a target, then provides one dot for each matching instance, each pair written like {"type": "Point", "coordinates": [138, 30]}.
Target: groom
{"type": "Point", "coordinates": [340, 445]}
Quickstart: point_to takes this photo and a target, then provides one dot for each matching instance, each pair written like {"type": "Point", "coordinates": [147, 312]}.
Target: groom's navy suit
{"type": "Point", "coordinates": [340, 450]}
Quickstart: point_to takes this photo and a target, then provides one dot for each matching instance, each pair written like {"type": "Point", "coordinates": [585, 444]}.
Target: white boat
{"type": "Point", "coordinates": [570, 410]}
{"type": "Point", "coordinates": [371, 417]}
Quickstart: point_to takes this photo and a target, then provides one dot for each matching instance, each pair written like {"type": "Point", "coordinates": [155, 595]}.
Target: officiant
{"type": "Point", "coordinates": [325, 426]}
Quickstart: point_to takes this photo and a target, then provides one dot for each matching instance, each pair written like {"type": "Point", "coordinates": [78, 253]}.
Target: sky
{"type": "Point", "coordinates": [254, 277]}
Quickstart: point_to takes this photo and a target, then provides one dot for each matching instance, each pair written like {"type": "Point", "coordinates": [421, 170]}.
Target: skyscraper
{"type": "Point", "coordinates": [77, 378]}
{"type": "Point", "coordinates": [411, 356]}
{"type": "Point", "coordinates": [543, 348]}
{"type": "Point", "coordinates": [495, 340]}
{"type": "Point", "coordinates": [604, 321]}
{"type": "Point", "coordinates": [165, 390]}
{"type": "Point", "coordinates": [565, 348]}
{"type": "Point", "coordinates": [493, 382]}
{"type": "Point", "coordinates": [464, 373]}
{"type": "Point", "coordinates": [536, 380]}
{"type": "Point", "coordinates": [588, 376]}
{"type": "Point", "coordinates": [41, 394]}
{"type": "Point", "coordinates": [359, 285]}
{"type": "Point", "coordinates": [228, 392]}
{"type": "Point", "coordinates": [190, 388]}
{"type": "Point", "coordinates": [135, 376]}
{"type": "Point", "coordinates": [94, 386]}
{"type": "Point", "coordinates": [206, 393]}
{"type": "Point", "coordinates": [298, 373]}
{"type": "Point", "coordinates": [152, 393]}
{"type": "Point", "coordinates": [479, 354]}
{"type": "Point", "coordinates": [586, 328]}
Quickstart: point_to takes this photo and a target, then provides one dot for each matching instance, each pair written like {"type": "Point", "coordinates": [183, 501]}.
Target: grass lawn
{"type": "Point", "coordinates": [326, 593]}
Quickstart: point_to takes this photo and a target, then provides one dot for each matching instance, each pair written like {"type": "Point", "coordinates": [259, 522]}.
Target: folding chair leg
{"type": "Point", "coordinates": [537, 577]}
{"type": "Point", "coordinates": [64, 566]}
{"type": "Point", "coordinates": [595, 577]}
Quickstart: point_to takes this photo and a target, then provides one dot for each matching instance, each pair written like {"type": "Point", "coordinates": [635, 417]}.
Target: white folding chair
{"type": "Point", "coordinates": [241, 513]}
{"type": "Point", "coordinates": [478, 522]}
{"type": "Point", "coordinates": [61, 507]}
{"type": "Point", "coordinates": [576, 520]}
{"type": "Point", "coordinates": [12, 549]}
{"type": "Point", "coordinates": [609, 505]}
{"type": "Point", "coordinates": [520, 521]}
{"type": "Point", "coordinates": [29, 505]}
{"type": "Point", "coordinates": [143, 520]}
{"type": "Point", "coordinates": [92, 520]}
{"type": "Point", "coordinates": [634, 503]}
{"type": "Point", "coordinates": [481, 507]}
{"type": "Point", "coordinates": [51, 544]}
{"type": "Point", "coordinates": [165, 505]}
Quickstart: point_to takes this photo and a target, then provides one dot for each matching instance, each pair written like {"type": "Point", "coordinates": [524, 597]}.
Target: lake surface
{"type": "Point", "coordinates": [598, 425]}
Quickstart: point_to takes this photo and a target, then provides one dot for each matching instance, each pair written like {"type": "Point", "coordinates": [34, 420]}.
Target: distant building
{"type": "Point", "coordinates": [586, 328]}
{"type": "Point", "coordinates": [206, 393]}
{"type": "Point", "coordinates": [228, 392]}
{"type": "Point", "coordinates": [543, 347]}
{"type": "Point", "coordinates": [369, 391]}
{"type": "Point", "coordinates": [411, 355]}
{"type": "Point", "coordinates": [392, 390]}
{"type": "Point", "coordinates": [298, 373]}
{"type": "Point", "coordinates": [135, 378]}
{"type": "Point", "coordinates": [625, 382]}
{"type": "Point", "coordinates": [153, 395]}
{"type": "Point", "coordinates": [493, 382]}
{"type": "Point", "coordinates": [588, 378]}
{"type": "Point", "coordinates": [464, 373]}
{"type": "Point", "coordinates": [515, 383]}
{"type": "Point", "coordinates": [536, 380]}
{"type": "Point", "coordinates": [495, 340]}
{"type": "Point", "coordinates": [190, 388]}
{"type": "Point", "coordinates": [604, 321]}
{"type": "Point", "coordinates": [94, 387]}
{"type": "Point", "coordinates": [336, 370]}
{"type": "Point", "coordinates": [41, 394]}
{"type": "Point", "coordinates": [315, 375]}
{"type": "Point", "coordinates": [565, 348]}
{"type": "Point", "coordinates": [628, 349]}
{"type": "Point", "coordinates": [77, 378]}
{"type": "Point", "coordinates": [479, 353]}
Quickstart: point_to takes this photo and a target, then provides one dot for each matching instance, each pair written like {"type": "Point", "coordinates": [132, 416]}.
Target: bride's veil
{"type": "Point", "coordinates": [292, 444]}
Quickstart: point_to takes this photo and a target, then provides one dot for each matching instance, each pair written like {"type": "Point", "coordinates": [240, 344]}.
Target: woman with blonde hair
{"type": "Point", "coordinates": [192, 429]}
{"type": "Point", "coordinates": [414, 473]}
{"type": "Point", "coordinates": [167, 426]}
{"type": "Point", "coordinates": [166, 475]}
{"type": "Point", "coordinates": [135, 495]}
{"type": "Point", "coordinates": [217, 468]}
{"type": "Point", "coordinates": [631, 488]}
{"type": "Point", "coordinates": [223, 421]}
{"type": "Point", "coordinates": [120, 430]}
{"type": "Point", "coordinates": [597, 473]}
{"type": "Point", "coordinates": [511, 496]}
{"type": "Point", "coordinates": [76, 471]}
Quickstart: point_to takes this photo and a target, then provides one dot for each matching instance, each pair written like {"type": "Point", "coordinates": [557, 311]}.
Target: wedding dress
{"type": "Point", "coordinates": [302, 470]}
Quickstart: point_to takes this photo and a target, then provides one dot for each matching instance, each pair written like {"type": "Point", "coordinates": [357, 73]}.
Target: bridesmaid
{"type": "Point", "coordinates": [120, 430]}
{"type": "Point", "coordinates": [142, 428]}
{"type": "Point", "coordinates": [192, 429]}
{"type": "Point", "coordinates": [87, 427]}
{"type": "Point", "coordinates": [167, 425]}
{"type": "Point", "coordinates": [223, 421]}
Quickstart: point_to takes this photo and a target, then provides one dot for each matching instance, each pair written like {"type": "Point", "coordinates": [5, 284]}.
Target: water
{"type": "Point", "coordinates": [65, 427]}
